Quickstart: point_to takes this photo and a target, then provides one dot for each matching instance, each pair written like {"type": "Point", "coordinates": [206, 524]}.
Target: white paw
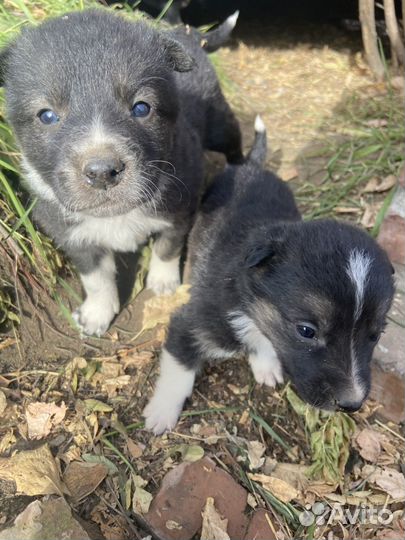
{"type": "Point", "coordinates": [163, 276]}
{"type": "Point", "coordinates": [160, 415]}
{"type": "Point", "coordinates": [268, 372]}
{"type": "Point", "coordinates": [94, 316]}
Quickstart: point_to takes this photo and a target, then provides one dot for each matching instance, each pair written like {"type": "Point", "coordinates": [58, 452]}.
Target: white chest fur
{"type": "Point", "coordinates": [119, 233]}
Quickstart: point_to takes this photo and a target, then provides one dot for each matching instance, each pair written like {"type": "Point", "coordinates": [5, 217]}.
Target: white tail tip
{"type": "Point", "coordinates": [231, 20]}
{"type": "Point", "coordinates": [259, 124]}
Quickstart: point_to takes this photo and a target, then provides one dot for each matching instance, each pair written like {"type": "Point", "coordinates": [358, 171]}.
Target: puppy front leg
{"type": "Point", "coordinates": [97, 273]}
{"type": "Point", "coordinates": [179, 363]}
{"type": "Point", "coordinates": [164, 270]}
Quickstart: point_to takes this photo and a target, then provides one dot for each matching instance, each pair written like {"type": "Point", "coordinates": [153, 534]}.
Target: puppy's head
{"type": "Point", "coordinates": [93, 102]}
{"type": "Point", "coordinates": [320, 291]}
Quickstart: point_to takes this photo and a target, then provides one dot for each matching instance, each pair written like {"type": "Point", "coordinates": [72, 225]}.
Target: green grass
{"type": "Point", "coordinates": [360, 153]}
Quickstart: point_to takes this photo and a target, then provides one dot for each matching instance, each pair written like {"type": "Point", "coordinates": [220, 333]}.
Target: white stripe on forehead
{"type": "Point", "coordinates": [357, 269]}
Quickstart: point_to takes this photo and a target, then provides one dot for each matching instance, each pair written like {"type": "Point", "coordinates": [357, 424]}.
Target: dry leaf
{"type": "Point", "coordinates": [281, 489]}
{"type": "Point", "coordinates": [34, 472]}
{"type": "Point", "coordinates": [377, 122]}
{"type": "Point", "coordinates": [42, 417]}
{"type": "Point", "coordinates": [256, 450]}
{"type": "Point", "coordinates": [288, 174]}
{"type": "Point", "coordinates": [158, 309]}
{"type": "Point", "coordinates": [376, 185]}
{"type": "Point", "coordinates": [82, 478]}
{"type": "Point", "coordinates": [369, 216]}
{"type": "Point", "coordinates": [138, 359]}
{"type": "Point", "coordinates": [293, 473]}
{"type": "Point", "coordinates": [95, 405]}
{"type": "Point", "coordinates": [368, 441]}
{"type": "Point", "coordinates": [6, 441]}
{"type": "Point", "coordinates": [389, 480]}
{"type": "Point", "coordinates": [3, 402]}
{"type": "Point", "coordinates": [213, 525]}
{"type": "Point", "coordinates": [49, 518]}
{"type": "Point", "coordinates": [141, 501]}
{"type": "Point", "coordinates": [134, 449]}
{"type": "Point", "coordinates": [173, 525]}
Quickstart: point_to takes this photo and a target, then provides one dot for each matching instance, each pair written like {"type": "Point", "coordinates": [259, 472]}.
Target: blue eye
{"type": "Point", "coordinates": [140, 109]}
{"type": "Point", "coordinates": [48, 117]}
{"type": "Point", "coordinates": [306, 331]}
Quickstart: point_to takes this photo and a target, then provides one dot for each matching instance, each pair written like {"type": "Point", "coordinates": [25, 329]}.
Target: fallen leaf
{"type": "Point", "coordinates": [7, 440]}
{"type": "Point", "coordinates": [90, 458]}
{"type": "Point", "coordinates": [281, 489]}
{"type": "Point", "coordinates": [138, 359]}
{"type": "Point", "coordinates": [387, 479]}
{"type": "Point", "coordinates": [49, 518]}
{"type": "Point", "coordinates": [288, 174]}
{"type": "Point", "coordinates": [293, 473]}
{"type": "Point", "coordinates": [256, 450]}
{"type": "Point", "coordinates": [368, 441]}
{"type": "Point", "coordinates": [3, 402]}
{"type": "Point", "coordinates": [173, 525]}
{"type": "Point", "coordinates": [189, 452]}
{"type": "Point", "coordinates": [94, 405]}
{"type": "Point", "coordinates": [377, 122]}
{"type": "Point", "coordinates": [42, 417]}
{"type": "Point", "coordinates": [158, 309]}
{"type": "Point", "coordinates": [141, 500]}
{"type": "Point", "coordinates": [369, 216]}
{"type": "Point", "coordinates": [214, 527]}
{"type": "Point", "coordinates": [134, 449]}
{"type": "Point", "coordinates": [34, 472]}
{"type": "Point", "coordinates": [376, 185]}
{"type": "Point", "coordinates": [82, 479]}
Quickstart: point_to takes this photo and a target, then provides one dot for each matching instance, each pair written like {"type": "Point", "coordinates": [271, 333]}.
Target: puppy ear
{"type": "Point", "coordinates": [177, 55]}
{"type": "Point", "coordinates": [4, 55]}
{"type": "Point", "coordinates": [259, 255]}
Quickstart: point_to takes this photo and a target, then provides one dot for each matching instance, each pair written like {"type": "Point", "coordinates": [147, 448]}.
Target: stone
{"type": "Point", "coordinates": [259, 527]}
{"type": "Point", "coordinates": [388, 385]}
{"type": "Point", "coordinates": [45, 520]}
{"type": "Point", "coordinates": [175, 512]}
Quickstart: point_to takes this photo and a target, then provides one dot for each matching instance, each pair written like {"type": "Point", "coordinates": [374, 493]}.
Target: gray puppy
{"type": "Point", "coordinates": [112, 117]}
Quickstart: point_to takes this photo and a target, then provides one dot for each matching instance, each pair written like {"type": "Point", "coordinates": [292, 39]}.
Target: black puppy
{"type": "Point", "coordinates": [308, 300]}
{"type": "Point", "coordinates": [112, 117]}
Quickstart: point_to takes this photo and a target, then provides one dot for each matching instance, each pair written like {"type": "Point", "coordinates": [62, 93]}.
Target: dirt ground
{"type": "Point", "coordinates": [298, 77]}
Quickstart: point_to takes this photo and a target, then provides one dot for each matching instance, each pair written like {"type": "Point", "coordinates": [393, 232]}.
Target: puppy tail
{"type": "Point", "coordinates": [214, 39]}
{"type": "Point", "coordinates": [257, 154]}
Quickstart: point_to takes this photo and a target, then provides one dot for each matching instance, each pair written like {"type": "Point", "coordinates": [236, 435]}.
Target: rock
{"type": "Point", "coordinates": [259, 528]}
{"type": "Point", "coordinates": [392, 231]}
{"type": "Point", "coordinates": [388, 387]}
{"type": "Point", "coordinates": [45, 520]}
{"type": "Point", "coordinates": [175, 512]}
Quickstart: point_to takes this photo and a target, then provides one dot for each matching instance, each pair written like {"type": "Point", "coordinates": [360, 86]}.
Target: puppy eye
{"type": "Point", "coordinates": [48, 117]}
{"type": "Point", "coordinates": [140, 109]}
{"type": "Point", "coordinates": [306, 331]}
{"type": "Point", "coordinates": [374, 337]}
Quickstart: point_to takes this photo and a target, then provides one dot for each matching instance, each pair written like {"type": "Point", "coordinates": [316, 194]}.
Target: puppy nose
{"type": "Point", "coordinates": [103, 173]}
{"type": "Point", "coordinates": [349, 406]}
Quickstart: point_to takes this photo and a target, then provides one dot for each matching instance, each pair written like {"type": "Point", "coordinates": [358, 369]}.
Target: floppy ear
{"type": "Point", "coordinates": [4, 55]}
{"type": "Point", "coordinates": [259, 255]}
{"type": "Point", "coordinates": [177, 56]}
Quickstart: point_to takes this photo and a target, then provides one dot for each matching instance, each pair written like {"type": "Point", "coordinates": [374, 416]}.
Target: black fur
{"type": "Point", "coordinates": [91, 67]}
{"type": "Point", "coordinates": [251, 253]}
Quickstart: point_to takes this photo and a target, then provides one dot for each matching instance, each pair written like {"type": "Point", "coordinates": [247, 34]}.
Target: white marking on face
{"type": "Point", "coordinates": [163, 276]}
{"type": "Point", "coordinates": [97, 311]}
{"type": "Point", "coordinates": [358, 269]}
{"type": "Point", "coordinates": [120, 233]}
{"type": "Point", "coordinates": [35, 183]}
{"type": "Point", "coordinates": [174, 386]}
{"type": "Point", "coordinates": [263, 359]}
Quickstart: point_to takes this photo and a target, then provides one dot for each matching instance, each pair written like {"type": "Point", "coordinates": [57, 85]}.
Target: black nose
{"type": "Point", "coordinates": [103, 173]}
{"type": "Point", "coordinates": [349, 406]}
